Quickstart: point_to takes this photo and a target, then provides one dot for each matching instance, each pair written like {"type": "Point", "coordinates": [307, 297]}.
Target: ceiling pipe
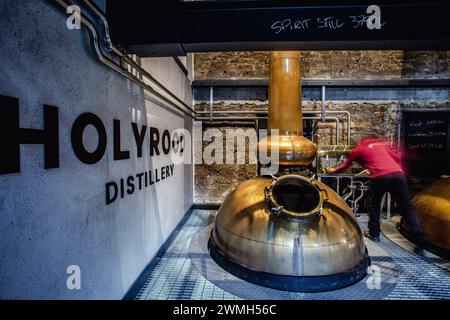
{"type": "Point", "coordinates": [107, 39]}
{"type": "Point", "coordinates": [119, 68]}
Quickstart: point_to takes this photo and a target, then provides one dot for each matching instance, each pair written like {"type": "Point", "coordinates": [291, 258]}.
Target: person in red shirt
{"type": "Point", "coordinates": [387, 175]}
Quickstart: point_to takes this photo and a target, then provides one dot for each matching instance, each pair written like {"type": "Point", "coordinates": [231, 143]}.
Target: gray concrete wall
{"type": "Point", "coordinates": [50, 219]}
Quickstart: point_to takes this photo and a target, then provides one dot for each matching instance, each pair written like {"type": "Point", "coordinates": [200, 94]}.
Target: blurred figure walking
{"type": "Point", "coordinates": [387, 175]}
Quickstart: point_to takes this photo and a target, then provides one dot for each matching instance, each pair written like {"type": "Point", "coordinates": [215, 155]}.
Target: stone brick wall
{"type": "Point", "coordinates": [374, 117]}
{"type": "Point", "coordinates": [214, 182]}
{"type": "Point", "coordinates": [327, 65]}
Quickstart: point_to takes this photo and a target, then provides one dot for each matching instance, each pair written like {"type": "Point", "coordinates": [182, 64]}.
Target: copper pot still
{"type": "Point", "coordinates": [289, 231]}
{"type": "Point", "coordinates": [433, 209]}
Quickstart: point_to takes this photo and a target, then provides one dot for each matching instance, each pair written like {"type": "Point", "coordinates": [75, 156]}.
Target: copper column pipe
{"type": "Point", "coordinates": [285, 93]}
{"type": "Point", "coordinates": [285, 111]}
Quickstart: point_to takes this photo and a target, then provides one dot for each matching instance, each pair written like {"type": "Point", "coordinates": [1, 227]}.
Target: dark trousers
{"type": "Point", "coordinates": [397, 186]}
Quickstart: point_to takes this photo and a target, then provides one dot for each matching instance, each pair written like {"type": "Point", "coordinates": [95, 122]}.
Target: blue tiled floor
{"type": "Point", "coordinates": [176, 277]}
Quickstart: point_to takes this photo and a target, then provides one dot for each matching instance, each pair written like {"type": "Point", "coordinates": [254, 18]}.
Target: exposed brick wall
{"type": "Point", "coordinates": [214, 182]}
{"type": "Point", "coordinates": [231, 65]}
{"type": "Point", "coordinates": [328, 65]}
{"type": "Point", "coordinates": [367, 118]}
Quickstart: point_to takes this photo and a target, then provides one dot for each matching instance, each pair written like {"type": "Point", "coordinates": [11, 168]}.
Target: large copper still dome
{"type": "Point", "coordinates": [288, 232]}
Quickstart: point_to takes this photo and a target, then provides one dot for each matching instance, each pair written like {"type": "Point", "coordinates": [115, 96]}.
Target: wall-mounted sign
{"type": "Point", "coordinates": [160, 142]}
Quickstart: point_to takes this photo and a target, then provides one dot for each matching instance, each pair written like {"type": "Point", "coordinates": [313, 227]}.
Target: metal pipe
{"type": "Point", "coordinates": [351, 187]}
{"type": "Point", "coordinates": [349, 122]}
{"type": "Point", "coordinates": [93, 8]}
{"type": "Point", "coordinates": [388, 206]}
{"type": "Point", "coordinates": [323, 103]}
{"type": "Point", "coordinates": [347, 113]}
{"type": "Point", "coordinates": [264, 118]}
{"type": "Point", "coordinates": [118, 68]}
{"type": "Point", "coordinates": [231, 112]}
{"type": "Point", "coordinates": [231, 118]}
{"type": "Point", "coordinates": [126, 58]}
{"type": "Point", "coordinates": [338, 137]}
{"type": "Point", "coordinates": [266, 112]}
{"type": "Point", "coordinates": [211, 102]}
{"type": "Point", "coordinates": [257, 118]}
{"type": "Point", "coordinates": [152, 79]}
{"type": "Point", "coordinates": [335, 119]}
{"type": "Point", "coordinates": [362, 188]}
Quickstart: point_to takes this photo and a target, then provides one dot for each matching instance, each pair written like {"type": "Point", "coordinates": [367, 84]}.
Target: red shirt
{"type": "Point", "coordinates": [375, 155]}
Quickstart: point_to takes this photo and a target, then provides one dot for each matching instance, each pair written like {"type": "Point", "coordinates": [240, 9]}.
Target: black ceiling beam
{"type": "Point", "coordinates": [174, 27]}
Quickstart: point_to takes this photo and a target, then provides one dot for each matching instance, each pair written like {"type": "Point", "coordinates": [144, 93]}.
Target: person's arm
{"type": "Point", "coordinates": [353, 156]}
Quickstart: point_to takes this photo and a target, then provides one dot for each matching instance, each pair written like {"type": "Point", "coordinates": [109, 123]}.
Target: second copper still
{"type": "Point", "coordinates": [433, 209]}
{"type": "Point", "coordinates": [288, 231]}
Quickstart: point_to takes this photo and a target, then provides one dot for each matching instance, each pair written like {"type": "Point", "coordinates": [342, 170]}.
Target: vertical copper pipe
{"type": "Point", "coordinates": [285, 112]}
